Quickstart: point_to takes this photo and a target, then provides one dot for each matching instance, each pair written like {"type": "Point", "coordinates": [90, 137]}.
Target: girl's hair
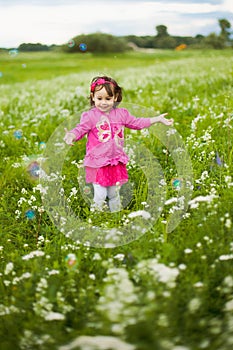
{"type": "Point", "coordinates": [111, 86]}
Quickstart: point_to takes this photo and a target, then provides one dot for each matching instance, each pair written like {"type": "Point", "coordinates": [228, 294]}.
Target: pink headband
{"type": "Point", "coordinates": [100, 81]}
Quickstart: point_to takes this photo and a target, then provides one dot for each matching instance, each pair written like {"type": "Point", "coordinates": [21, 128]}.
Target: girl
{"type": "Point", "coordinates": [105, 160]}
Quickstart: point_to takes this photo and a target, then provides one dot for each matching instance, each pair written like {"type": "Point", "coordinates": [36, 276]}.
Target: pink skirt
{"type": "Point", "coordinates": [109, 175]}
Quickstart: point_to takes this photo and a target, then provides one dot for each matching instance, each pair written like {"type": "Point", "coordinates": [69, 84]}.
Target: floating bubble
{"type": "Point", "coordinates": [34, 169]}
{"type": "Point", "coordinates": [1, 74]}
{"type": "Point", "coordinates": [30, 214]}
{"type": "Point", "coordinates": [83, 47]}
{"type": "Point", "coordinates": [13, 52]}
{"type": "Point", "coordinates": [152, 189]}
{"type": "Point", "coordinates": [42, 145]}
{"type": "Point", "coordinates": [24, 65]}
{"type": "Point", "coordinates": [71, 43]}
{"type": "Point", "coordinates": [18, 134]}
{"type": "Point", "coordinates": [71, 260]}
{"type": "Point", "coordinates": [176, 183]}
{"type": "Point", "coordinates": [87, 190]}
{"type": "Point", "coordinates": [218, 159]}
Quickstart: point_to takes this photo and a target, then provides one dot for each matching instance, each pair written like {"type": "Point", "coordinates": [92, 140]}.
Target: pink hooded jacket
{"type": "Point", "coordinates": [105, 134]}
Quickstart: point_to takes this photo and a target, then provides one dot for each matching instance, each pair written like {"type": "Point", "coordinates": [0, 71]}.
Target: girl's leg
{"type": "Point", "coordinates": [100, 194]}
{"type": "Point", "coordinates": [113, 193]}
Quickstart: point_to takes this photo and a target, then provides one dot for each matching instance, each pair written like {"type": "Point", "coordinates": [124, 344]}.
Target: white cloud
{"type": "Point", "coordinates": [57, 21]}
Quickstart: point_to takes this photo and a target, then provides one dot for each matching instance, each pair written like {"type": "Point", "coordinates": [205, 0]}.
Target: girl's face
{"type": "Point", "coordinates": [103, 101]}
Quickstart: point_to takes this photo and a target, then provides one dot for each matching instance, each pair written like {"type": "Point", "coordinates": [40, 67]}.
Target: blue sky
{"type": "Point", "coordinates": [57, 21]}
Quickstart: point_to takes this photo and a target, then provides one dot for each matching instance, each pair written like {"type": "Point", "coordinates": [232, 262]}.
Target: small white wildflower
{"type": "Point", "coordinates": [198, 284]}
{"type": "Point", "coordinates": [33, 254]}
{"type": "Point", "coordinates": [9, 268]}
{"type": "Point", "coordinates": [54, 316]}
{"type": "Point", "coordinates": [229, 305]}
{"type": "Point", "coordinates": [53, 272]}
{"type": "Point", "coordinates": [119, 257]}
{"type": "Point", "coordinates": [188, 251]}
{"type": "Point", "coordinates": [171, 200]}
{"type": "Point", "coordinates": [182, 267]}
{"type": "Point", "coordinates": [194, 305]}
{"type": "Point", "coordinates": [228, 223]}
{"type": "Point", "coordinates": [226, 257]}
{"type": "Point", "coordinates": [96, 256]}
{"type": "Point", "coordinates": [143, 213]}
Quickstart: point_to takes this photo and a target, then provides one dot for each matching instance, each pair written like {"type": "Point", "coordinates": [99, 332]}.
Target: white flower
{"type": "Point", "coordinates": [143, 213]}
{"type": "Point", "coordinates": [33, 254]}
{"type": "Point", "coordinates": [119, 257]}
{"type": "Point", "coordinates": [188, 251]}
{"type": "Point", "coordinates": [228, 223]}
{"type": "Point", "coordinates": [96, 256]}
{"type": "Point", "coordinates": [9, 268]}
{"type": "Point", "coordinates": [194, 305]}
{"type": "Point", "coordinates": [99, 342]}
{"type": "Point", "coordinates": [171, 200]}
{"type": "Point", "coordinates": [229, 305]}
{"type": "Point", "coordinates": [226, 257]}
{"type": "Point", "coordinates": [54, 316]}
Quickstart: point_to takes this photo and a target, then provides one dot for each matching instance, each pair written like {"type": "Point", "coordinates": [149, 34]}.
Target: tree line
{"type": "Point", "coordinates": [102, 42]}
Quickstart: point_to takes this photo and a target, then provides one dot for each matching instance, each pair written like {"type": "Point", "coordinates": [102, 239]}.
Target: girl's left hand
{"type": "Point", "coordinates": [165, 121]}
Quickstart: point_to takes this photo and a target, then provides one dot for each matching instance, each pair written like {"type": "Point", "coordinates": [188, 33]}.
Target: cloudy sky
{"type": "Point", "coordinates": [57, 21]}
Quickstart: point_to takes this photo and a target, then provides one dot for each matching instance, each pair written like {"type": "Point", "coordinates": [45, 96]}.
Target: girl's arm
{"type": "Point", "coordinates": [161, 119]}
{"type": "Point", "coordinates": [80, 130]}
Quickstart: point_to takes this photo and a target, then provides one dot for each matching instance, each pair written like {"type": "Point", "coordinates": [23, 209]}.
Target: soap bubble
{"type": "Point", "coordinates": [1, 74]}
{"type": "Point", "coordinates": [30, 214]}
{"type": "Point", "coordinates": [176, 183]}
{"type": "Point", "coordinates": [13, 52]}
{"type": "Point", "coordinates": [18, 134]}
{"type": "Point", "coordinates": [83, 47]}
{"type": "Point", "coordinates": [33, 169]}
{"type": "Point", "coordinates": [71, 260]}
{"type": "Point", "coordinates": [24, 65]}
{"type": "Point", "coordinates": [71, 43]}
{"type": "Point", "coordinates": [42, 145]}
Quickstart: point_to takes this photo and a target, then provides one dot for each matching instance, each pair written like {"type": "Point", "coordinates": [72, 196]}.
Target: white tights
{"type": "Point", "coordinates": [101, 193]}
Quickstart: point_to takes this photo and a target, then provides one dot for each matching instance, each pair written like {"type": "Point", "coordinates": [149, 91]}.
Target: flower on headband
{"type": "Point", "coordinates": [100, 81]}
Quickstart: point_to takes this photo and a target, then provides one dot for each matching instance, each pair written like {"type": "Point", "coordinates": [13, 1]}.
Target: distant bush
{"type": "Point", "coordinates": [96, 42]}
{"type": "Point", "coordinates": [33, 47]}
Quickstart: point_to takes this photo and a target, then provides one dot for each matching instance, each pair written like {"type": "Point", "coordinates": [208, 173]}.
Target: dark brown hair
{"type": "Point", "coordinates": [111, 86]}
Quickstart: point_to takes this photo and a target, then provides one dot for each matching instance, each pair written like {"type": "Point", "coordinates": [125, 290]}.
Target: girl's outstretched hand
{"type": "Point", "coordinates": [161, 119]}
{"type": "Point", "coordinates": [69, 138]}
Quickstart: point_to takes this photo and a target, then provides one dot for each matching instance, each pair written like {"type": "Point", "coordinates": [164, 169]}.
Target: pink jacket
{"type": "Point", "coordinates": [106, 135]}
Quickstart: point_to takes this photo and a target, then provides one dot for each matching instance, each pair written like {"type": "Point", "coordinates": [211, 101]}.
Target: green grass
{"type": "Point", "coordinates": [165, 291]}
{"type": "Point", "coordinates": [44, 65]}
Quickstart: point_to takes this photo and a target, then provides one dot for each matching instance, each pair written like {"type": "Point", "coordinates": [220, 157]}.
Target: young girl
{"type": "Point", "coordinates": [105, 160]}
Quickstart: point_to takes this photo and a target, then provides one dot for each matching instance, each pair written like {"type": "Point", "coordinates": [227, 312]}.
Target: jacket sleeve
{"type": "Point", "coordinates": [132, 122]}
{"type": "Point", "coordinates": [83, 127]}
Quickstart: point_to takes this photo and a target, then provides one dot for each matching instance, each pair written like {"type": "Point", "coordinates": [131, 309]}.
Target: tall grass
{"type": "Point", "coordinates": [160, 291]}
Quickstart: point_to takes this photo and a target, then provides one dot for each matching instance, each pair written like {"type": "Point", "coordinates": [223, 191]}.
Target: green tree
{"type": "Point", "coordinates": [96, 43]}
{"type": "Point", "coordinates": [225, 25]}
{"type": "Point", "coordinates": [214, 41]}
{"type": "Point", "coordinates": [161, 31]}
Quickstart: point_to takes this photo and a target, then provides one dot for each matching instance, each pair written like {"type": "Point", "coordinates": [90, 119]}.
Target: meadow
{"type": "Point", "coordinates": [152, 288]}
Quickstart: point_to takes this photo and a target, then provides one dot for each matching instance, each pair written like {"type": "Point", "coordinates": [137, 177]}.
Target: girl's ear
{"type": "Point", "coordinates": [116, 98]}
{"type": "Point", "coordinates": [92, 96]}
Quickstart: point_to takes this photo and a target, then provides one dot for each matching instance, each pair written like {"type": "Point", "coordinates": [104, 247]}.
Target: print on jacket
{"type": "Point", "coordinates": [105, 133]}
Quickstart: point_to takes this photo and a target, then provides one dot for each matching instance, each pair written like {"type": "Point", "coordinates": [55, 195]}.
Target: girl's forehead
{"type": "Point", "coordinates": [101, 92]}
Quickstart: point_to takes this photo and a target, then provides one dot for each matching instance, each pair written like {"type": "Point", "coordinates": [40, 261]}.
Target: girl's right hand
{"type": "Point", "coordinates": [69, 138]}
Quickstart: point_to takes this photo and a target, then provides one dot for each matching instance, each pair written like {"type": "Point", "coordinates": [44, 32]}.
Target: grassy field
{"type": "Point", "coordinates": [159, 290]}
